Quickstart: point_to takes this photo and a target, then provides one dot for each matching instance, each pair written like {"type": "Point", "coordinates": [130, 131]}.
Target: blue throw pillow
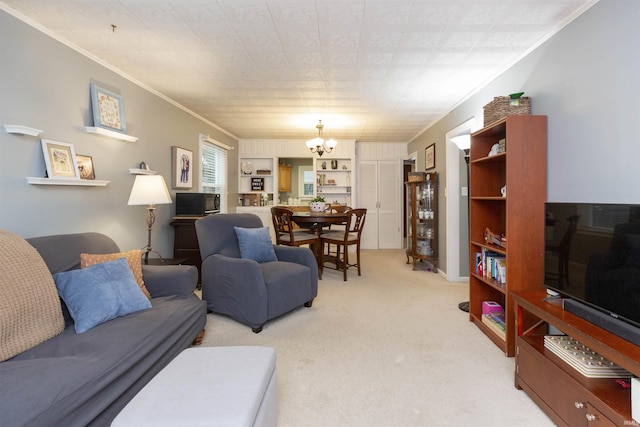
{"type": "Point", "coordinates": [255, 244]}
{"type": "Point", "coordinates": [100, 293]}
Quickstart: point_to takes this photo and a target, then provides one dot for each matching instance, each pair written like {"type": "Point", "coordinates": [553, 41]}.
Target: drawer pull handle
{"type": "Point", "coordinates": [579, 405]}
{"type": "Point", "coordinates": [591, 417]}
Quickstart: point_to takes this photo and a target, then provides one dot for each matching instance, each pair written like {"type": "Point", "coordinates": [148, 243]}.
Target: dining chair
{"type": "Point", "coordinates": [351, 235]}
{"type": "Point", "coordinates": [336, 208]}
{"type": "Point", "coordinates": [286, 234]}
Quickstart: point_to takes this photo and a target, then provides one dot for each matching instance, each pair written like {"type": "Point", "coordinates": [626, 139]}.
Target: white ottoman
{"type": "Point", "coordinates": [209, 386]}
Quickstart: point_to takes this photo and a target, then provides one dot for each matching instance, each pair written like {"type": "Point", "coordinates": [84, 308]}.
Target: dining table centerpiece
{"type": "Point", "coordinates": [317, 204]}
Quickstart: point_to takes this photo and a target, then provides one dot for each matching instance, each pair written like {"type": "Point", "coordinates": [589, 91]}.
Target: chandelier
{"type": "Point", "coordinates": [319, 145]}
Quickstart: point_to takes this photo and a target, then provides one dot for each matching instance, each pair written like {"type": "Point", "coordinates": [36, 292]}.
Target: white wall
{"type": "Point", "coordinates": [586, 80]}
{"type": "Point", "coordinates": [45, 84]}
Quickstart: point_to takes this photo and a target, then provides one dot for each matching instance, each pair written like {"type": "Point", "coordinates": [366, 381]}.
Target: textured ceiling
{"type": "Point", "coordinates": [371, 70]}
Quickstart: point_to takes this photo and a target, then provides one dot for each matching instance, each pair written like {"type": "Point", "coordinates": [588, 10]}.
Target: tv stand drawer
{"type": "Point", "coordinates": [537, 374]}
{"type": "Point", "coordinates": [562, 392]}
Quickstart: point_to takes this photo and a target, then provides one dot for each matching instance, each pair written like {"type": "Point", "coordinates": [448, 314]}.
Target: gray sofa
{"type": "Point", "coordinates": [86, 379]}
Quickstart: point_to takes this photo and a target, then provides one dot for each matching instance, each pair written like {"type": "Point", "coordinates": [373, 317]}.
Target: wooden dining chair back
{"type": "Point", "coordinates": [340, 208]}
{"type": "Point", "coordinates": [335, 208]}
{"type": "Point", "coordinates": [351, 235]}
{"type": "Point", "coordinates": [286, 234]}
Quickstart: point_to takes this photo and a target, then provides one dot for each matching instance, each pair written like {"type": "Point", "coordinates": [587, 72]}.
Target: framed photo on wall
{"type": "Point", "coordinates": [430, 157]}
{"type": "Point", "coordinates": [60, 159]}
{"type": "Point", "coordinates": [85, 167]}
{"type": "Point", "coordinates": [182, 167]}
{"type": "Point", "coordinates": [108, 109]}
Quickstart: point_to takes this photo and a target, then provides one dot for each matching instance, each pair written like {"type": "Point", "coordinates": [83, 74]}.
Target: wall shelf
{"type": "Point", "coordinates": [111, 133]}
{"type": "Point", "coordinates": [23, 130]}
{"type": "Point", "coordinates": [66, 181]}
{"type": "Point", "coordinates": [136, 171]}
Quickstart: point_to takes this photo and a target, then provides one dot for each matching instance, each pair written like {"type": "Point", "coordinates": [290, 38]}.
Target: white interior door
{"type": "Point", "coordinates": [368, 193]}
{"type": "Point", "coordinates": [389, 197]}
{"type": "Point", "coordinates": [379, 192]}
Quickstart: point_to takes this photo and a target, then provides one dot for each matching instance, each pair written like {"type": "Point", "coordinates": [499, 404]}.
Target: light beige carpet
{"type": "Point", "coordinates": [389, 348]}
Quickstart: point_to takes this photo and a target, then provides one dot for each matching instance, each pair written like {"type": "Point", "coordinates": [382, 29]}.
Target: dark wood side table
{"type": "Point", "coordinates": [185, 241]}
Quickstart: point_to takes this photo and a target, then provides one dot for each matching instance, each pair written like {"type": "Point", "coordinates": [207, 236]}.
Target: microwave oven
{"type": "Point", "coordinates": [197, 204]}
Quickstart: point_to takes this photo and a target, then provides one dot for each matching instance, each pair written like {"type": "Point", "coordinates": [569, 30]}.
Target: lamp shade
{"type": "Point", "coordinates": [149, 190]}
{"type": "Point", "coordinates": [462, 141]}
{"type": "Point", "coordinates": [313, 143]}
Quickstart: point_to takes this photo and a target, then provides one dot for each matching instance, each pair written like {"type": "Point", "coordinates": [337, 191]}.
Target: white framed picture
{"type": "Point", "coordinates": [60, 159]}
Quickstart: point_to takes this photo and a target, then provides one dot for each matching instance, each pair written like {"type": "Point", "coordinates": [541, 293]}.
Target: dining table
{"type": "Point", "coordinates": [317, 222]}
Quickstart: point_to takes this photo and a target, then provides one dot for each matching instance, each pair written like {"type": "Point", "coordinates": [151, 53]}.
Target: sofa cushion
{"type": "Point", "coordinates": [255, 244]}
{"type": "Point", "coordinates": [100, 293]}
{"type": "Point", "coordinates": [31, 312]}
{"type": "Point", "coordinates": [134, 259]}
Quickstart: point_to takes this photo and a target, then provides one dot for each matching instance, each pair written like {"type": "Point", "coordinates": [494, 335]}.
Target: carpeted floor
{"type": "Point", "coordinates": [389, 348]}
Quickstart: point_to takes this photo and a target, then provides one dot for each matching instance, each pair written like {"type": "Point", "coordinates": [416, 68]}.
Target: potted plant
{"type": "Point", "coordinates": [317, 204]}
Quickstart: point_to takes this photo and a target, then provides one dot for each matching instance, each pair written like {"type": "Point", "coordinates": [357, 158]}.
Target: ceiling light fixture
{"type": "Point", "coordinates": [319, 145]}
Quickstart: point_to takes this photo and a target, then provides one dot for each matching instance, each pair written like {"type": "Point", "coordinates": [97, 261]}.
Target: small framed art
{"type": "Point", "coordinates": [85, 167]}
{"type": "Point", "coordinates": [257, 184]}
{"type": "Point", "coordinates": [182, 167]}
{"type": "Point", "coordinates": [60, 159]}
{"type": "Point", "coordinates": [430, 157]}
{"type": "Point", "coordinates": [108, 109]}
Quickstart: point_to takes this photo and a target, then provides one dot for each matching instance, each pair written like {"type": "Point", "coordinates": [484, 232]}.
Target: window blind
{"type": "Point", "coordinates": [214, 171]}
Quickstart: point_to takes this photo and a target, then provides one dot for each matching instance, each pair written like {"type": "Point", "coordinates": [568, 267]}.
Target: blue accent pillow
{"type": "Point", "coordinates": [100, 293]}
{"type": "Point", "coordinates": [255, 244]}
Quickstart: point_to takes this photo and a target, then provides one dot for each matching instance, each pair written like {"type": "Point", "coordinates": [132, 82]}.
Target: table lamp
{"type": "Point", "coordinates": [149, 190]}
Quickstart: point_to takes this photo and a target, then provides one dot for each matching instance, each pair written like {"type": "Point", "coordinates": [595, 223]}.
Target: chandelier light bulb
{"type": "Point", "coordinates": [319, 145]}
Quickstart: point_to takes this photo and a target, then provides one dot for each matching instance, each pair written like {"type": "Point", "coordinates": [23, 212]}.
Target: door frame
{"type": "Point", "coordinates": [453, 202]}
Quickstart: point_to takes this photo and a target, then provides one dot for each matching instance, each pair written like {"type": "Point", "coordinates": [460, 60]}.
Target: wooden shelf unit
{"type": "Point", "coordinates": [248, 193]}
{"type": "Point", "coordinates": [339, 191]}
{"type": "Point", "coordinates": [519, 215]}
{"type": "Point", "coordinates": [566, 396]}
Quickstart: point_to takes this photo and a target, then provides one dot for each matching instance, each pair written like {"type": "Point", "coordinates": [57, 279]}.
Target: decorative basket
{"type": "Point", "coordinates": [501, 107]}
{"type": "Point", "coordinates": [416, 176]}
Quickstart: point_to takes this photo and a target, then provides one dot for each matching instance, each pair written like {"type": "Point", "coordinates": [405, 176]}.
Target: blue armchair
{"type": "Point", "coordinates": [250, 292]}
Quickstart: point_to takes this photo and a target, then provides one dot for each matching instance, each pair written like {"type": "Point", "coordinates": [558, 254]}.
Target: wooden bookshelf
{"type": "Point", "coordinates": [519, 215]}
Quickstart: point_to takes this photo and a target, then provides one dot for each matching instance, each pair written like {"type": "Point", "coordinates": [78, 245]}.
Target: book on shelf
{"type": "Point", "coordinates": [497, 328]}
{"type": "Point", "coordinates": [491, 264]}
{"type": "Point", "coordinates": [498, 317]}
{"type": "Point", "coordinates": [501, 270]}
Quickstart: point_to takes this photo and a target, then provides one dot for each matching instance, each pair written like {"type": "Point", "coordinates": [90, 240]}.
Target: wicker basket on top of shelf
{"type": "Point", "coordinates": [501, 107]}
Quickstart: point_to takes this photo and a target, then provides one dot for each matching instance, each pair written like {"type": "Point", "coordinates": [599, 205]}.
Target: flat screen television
{"type": "Point", "coordinates": [592, 256]}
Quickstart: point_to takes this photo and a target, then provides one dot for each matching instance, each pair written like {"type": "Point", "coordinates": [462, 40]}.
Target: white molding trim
{"type": "Point", "coordinates": [210, 140]}
{"type": "Point", "coordinates": [105, 64]}
{"type": "Point", "coordinates": [453, 198]}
